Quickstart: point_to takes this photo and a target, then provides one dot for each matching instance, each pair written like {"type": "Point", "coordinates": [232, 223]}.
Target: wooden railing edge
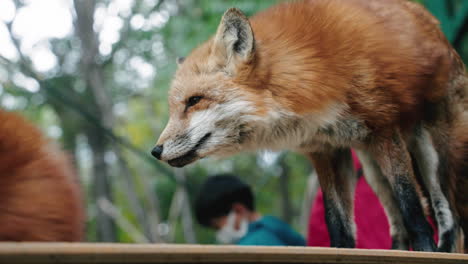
{"type": "Point", "coordinates": [170, 253]}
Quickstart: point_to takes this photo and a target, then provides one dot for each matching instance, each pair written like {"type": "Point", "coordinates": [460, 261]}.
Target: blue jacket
{"type": "Point", "coordinates": [271, 231]}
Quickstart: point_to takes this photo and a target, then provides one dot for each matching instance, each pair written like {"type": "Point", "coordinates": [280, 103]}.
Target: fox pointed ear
{"type": "Point", "coordinates": [234, 38]}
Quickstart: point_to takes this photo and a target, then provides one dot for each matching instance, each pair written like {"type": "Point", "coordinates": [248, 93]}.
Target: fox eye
{"type": "Point", "coordinates": [193, 100]}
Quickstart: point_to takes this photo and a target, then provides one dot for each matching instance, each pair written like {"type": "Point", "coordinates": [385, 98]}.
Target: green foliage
{"type": "Point", "coordinates": [452, 15]}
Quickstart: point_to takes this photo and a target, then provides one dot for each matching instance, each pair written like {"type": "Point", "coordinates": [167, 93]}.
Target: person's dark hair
{"type": "Point", "coordinates": [218, 194]}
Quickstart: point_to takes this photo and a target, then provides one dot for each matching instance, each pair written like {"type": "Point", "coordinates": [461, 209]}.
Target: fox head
{"type": "Point", "coordinates": [220, 102]}
{"type": "Point", "coordinates": [209, 113]}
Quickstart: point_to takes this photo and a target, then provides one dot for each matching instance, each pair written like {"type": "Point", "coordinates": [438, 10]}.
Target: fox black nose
{"type": "Point", "coordinates": [157, 151]}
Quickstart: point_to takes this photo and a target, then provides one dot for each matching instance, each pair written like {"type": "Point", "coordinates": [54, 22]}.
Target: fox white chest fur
{"type": "Point", "coordinates": [305, 133]}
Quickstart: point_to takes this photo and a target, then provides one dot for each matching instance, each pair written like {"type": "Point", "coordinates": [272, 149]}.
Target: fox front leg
{"type": "Point", "coordinates": [383, 190]}
{"type": "Point", "coordinates": [431, 154]}
{"type": "Point", "coordinates": [391, 154]}
{"type": "Point", "coordinates": [337, 179]}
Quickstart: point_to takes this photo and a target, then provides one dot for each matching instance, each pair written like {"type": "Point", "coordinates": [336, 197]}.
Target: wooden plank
{"type": "Point", "coordinates": [164, 253]}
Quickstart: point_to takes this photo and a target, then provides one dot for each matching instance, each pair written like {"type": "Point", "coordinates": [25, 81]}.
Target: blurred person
{"type": "Point", "coordinates": [226, 204]}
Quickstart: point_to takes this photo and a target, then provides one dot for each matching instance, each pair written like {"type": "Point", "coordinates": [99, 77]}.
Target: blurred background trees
{"type": "Point", "coordinates": [94, 75]}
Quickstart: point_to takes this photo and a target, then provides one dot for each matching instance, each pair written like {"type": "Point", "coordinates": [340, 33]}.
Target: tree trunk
{"type": "Point", "coordinates": [106, 229]}
{"type": "Point", "coordinates": [186, 214]}
{"type": "Point", "coordinates": [286, 205]}
{"type": "Point", "coordinates": [101, 107]}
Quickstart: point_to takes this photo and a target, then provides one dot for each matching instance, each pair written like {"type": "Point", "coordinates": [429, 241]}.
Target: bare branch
{"type": "Point", "coordinates": [156, 6]}
{"type": "Point", "coordinates": [6, 61]}
{"type": "Point", "coordinates": [107, 207]}
{"type": "Point", "coordinates": [24, 62]}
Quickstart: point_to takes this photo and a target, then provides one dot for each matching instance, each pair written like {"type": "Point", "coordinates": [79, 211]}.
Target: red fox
{"type": "Point", "coordinates": [321, 77]}
{"type": "Point", "coordinates": [40, 196]}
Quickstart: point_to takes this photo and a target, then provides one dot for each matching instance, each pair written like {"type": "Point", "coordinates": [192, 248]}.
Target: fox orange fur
{"type": "Point", "coordinates": [39, 193]}
{"type": "Point", "coordinates": [321, 77]}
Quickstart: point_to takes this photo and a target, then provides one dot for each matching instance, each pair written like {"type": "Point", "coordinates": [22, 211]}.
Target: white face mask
{"type": "Point", "coordinates": [228, 234]}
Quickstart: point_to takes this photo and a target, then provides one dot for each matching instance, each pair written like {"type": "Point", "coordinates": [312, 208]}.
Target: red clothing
{"type": "Point", "coordinates": [371, 221]}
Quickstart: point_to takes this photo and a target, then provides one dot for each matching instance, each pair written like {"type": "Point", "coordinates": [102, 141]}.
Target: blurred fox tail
{"type": "Point", "coordinates": [41, 198]}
